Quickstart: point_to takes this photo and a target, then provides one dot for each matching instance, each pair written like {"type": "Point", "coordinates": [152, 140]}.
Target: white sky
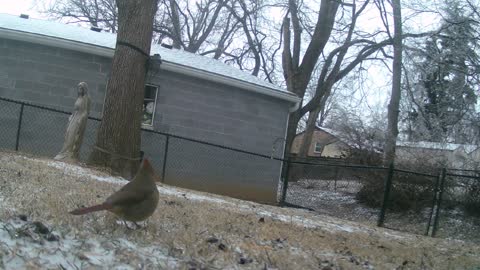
{"type": "Point", "coordinates": [17, 7]}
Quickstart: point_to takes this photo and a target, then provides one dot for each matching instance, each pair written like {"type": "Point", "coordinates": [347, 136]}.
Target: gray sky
{"type": "Point", "coordinates": [17, 7]}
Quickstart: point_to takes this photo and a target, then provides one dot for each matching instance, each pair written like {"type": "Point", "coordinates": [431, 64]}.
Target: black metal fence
{"type": "Point", "coordinates": [459, 205]}
{"type": "Point", "coordinates": [444, 203]}
{"type": "Point", "coordinates": [180, 161]}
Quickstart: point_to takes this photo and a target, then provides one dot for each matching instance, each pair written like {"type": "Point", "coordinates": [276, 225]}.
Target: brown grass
{"type": "Point", "coordinates": [182, 225]}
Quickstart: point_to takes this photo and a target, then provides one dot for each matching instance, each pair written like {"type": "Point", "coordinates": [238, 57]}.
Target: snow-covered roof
{"type": "Point", "coordinates": [438, 146]}
{"type": "Point", "coordinates": [102, 43]}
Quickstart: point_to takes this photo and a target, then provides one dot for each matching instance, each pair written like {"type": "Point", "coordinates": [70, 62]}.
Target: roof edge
{"type": "Point", "coordinates": [56, 42]}
{"type": "Point", "coordinates": [229, 81]}
{"type": "Point", "coordinates": [108, 52]}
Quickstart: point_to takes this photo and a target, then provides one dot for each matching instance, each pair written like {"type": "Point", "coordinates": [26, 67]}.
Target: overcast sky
{"type": "Point", "coordinates": [17, 7]}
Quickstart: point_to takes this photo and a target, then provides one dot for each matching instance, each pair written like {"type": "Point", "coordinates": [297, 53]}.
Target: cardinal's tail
{"type": "Point", "coordinates": [86, 210]}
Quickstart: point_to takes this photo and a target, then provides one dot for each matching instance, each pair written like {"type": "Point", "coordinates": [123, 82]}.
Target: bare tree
{"type": "Point", "coordinates": [230, 30]}
{"type": "Point", "coordinates": [189, 25]}
{"type": "Point", "coordinates": [98, 13]}
{"type": "Point", "coordinates": [297, 73]}
{"type": "Point", "coordinates": [394, 105]}
{"type": "Point", "coordinates": [365, 138]}
{"type": "Point", "coordinates": [257, 52]}
{"type": "Point", "coordinates": [118, 136]}
{"type": "Point", "coordinates": [337, 63]}
{"type": "Point", "coordinates": [192, 26]}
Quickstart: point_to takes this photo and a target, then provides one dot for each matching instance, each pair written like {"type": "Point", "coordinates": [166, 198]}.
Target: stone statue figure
{"type": "Point", "coordinates": [76, 126]}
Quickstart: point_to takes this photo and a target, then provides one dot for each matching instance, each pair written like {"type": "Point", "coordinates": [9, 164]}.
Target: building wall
{"type": "Point", "coordinates": [185, 106]}
{"type": "Point", "coordinates": [49, 76]}
{"type": "Point", "coordinates": [332, 147]}
{"type": "Point", "coordinates": [211, 112]}
{"type": "Point", "coordinates": [334, 150]}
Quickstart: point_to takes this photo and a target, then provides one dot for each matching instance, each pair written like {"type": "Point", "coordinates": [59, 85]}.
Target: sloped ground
{"type": "Point", "coordinates": [190, 230]}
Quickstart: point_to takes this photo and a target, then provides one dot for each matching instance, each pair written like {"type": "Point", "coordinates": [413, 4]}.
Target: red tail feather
{"type": "Point", "coordinates": [86, 210]}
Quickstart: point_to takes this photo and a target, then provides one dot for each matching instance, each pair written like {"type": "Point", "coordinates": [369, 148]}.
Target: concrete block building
{"type": "Point", "coordinates": [188, 95]}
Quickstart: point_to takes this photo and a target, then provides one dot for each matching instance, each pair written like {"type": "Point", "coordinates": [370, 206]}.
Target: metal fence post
{"type": "Point", "coordinates": [386, 194]}
{"type": "Point", "coordinates": [19, 127]}
{"type": "Point", "coordinates": [165, 156]}
{"type": "Point", "coordinates": [440, 195]}
{"type": "Point", "coordinates": [335, 181]}
{"type": "Point", "coordinates": [285, 181]}
{"type": "Point", "coordinates": [434, 202]}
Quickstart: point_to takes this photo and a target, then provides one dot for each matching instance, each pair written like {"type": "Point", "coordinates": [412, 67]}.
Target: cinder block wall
{"type": "Point", "coordinates": [49, 76]}
{"type": "Point", "coordinates": [186, 106]}
{"type": "Point", "coordinates": [225, 115]}
{"type": "Point", "coordinates": [217, 113]}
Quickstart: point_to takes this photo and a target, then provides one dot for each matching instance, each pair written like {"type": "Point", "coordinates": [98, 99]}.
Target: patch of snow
{"type": "Point", "coordinates": [70, 252]}
{"type": "Point", "coordinates": [76, 170]}
{"type": "Point", "coordinates": [297, 220]}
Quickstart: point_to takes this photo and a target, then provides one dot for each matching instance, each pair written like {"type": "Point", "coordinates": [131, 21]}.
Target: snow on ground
{"type": "Point", "coordinates": [338, 199]}
{"type": "Point", "coordinates": [190, 230]}
{"type": "Point", "coordinates": [25, 244]}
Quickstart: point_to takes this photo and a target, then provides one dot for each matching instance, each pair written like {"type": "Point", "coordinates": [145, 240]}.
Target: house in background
{"type": "Point", "coordinates": [187, 95]}
{"type": "Point", "coordinates": [325, 143]}
{"type": "Point", "coordinates": [451, 155]}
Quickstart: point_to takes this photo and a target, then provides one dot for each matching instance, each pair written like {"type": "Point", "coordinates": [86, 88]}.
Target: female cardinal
{"type": "Point", "coordinates": [136, 201]}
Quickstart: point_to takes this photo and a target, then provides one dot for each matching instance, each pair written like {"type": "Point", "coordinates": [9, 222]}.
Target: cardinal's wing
{"type": "Point", "coordinates": [129, 195]}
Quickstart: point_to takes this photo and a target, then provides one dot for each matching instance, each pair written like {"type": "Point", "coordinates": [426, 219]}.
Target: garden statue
{"type": "Point", "coordinates": [76, 126]}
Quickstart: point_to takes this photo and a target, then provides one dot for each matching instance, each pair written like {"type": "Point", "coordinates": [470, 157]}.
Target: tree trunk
{"type": "Point", "coordinates": [291, 131]}
{"type": "Point", "coordinates": [296, 74]}
{"type": "Point", "coordinates": [175, 17]}
{"type": "Point", "coordinates": [393, 106]}
{"type": "Point", "coordinates": [308, 134]}
{"type": "Point", "coordinates": [118, 137]}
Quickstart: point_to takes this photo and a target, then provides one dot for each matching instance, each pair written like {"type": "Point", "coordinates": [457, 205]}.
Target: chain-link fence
{"type": "Point", "coordinates": [411, 201]}
{"type": "Point", "coordinates": [459, 202]}
{"type": "Point", "coordinates": [183, 162]}
{"type": "Point", "coordinates": [333, 188]}
{"type": "Point", "coordinates": [446, 203]}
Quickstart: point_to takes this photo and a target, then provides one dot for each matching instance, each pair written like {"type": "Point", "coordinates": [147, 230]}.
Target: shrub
{"type": "Point", "coordinates": [408, 192]}
{"type": "Point", "coordinates": [371, 192]}
{"type": "Point", "coordinates": [472, 203]}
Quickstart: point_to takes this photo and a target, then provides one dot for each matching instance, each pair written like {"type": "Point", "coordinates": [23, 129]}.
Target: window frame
{"type": "Point", "coordinates": [154, 104]}
{"type": "Point", "coordinates": [315, 148]}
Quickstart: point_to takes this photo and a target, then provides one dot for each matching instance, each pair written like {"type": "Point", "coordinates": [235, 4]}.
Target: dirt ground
{"type": "Point", "coordinates": [189, 230]}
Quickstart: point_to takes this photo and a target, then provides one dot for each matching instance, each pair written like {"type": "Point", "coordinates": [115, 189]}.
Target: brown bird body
{"type": "Point", "coordinates": [136, 201]}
